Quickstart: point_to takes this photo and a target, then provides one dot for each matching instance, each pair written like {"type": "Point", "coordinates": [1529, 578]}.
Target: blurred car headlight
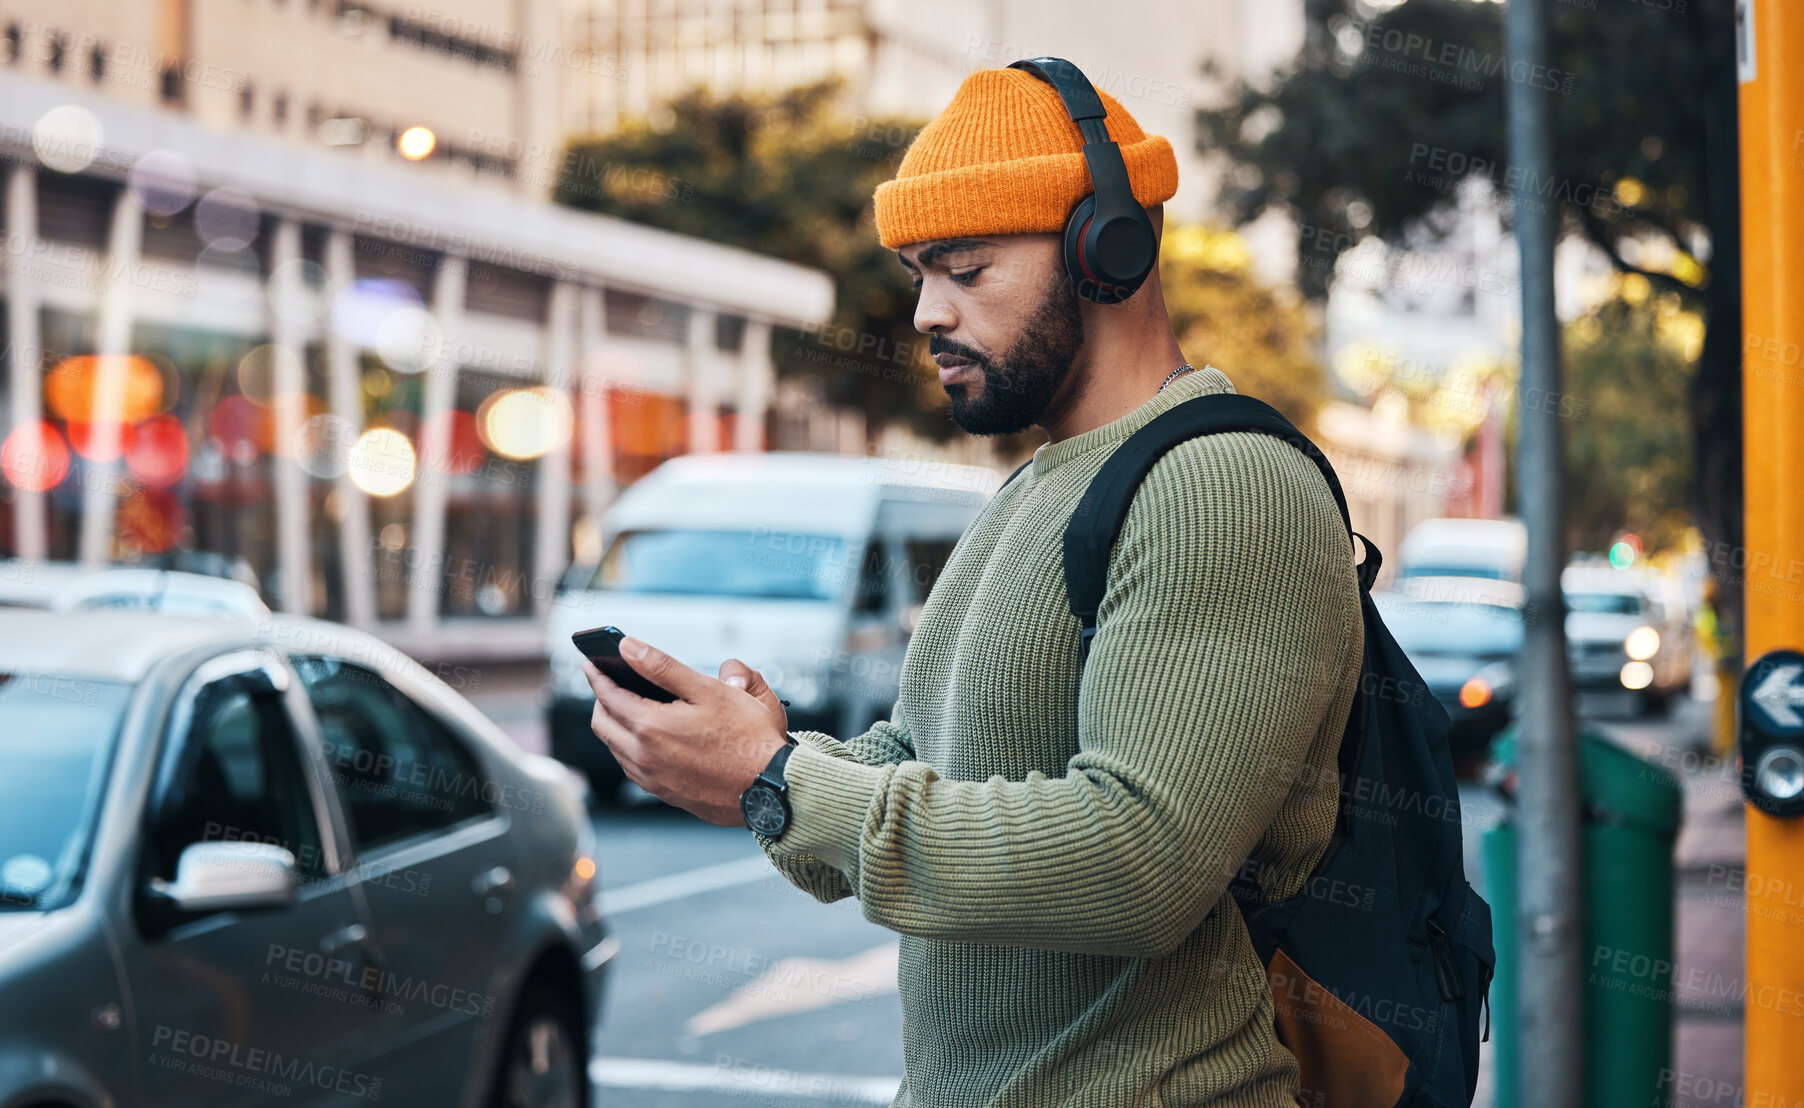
{"type": "Point", "coordinates": [1637, 675]}
{"type": "Point", "coordinates": [1643, 643]}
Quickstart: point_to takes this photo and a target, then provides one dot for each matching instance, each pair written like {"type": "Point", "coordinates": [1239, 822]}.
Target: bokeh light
{"type": "Point", "coordinates": [71, 390]}
{"type": "Point", "coordinates": [409, 340]}
{"type": "Point", "coordinates": [525, 423]}
{"type": "Point", "coordinates": [163, 181]}
{"type": "Point", "coordinates": [67, 138]}
{"type": "Point", "coordinates": [241, 428]}
{"type": "Point", "coordinates": [264, 366]}
{"type": "Point", "coordinates": [381, 463]}
{"type": "Point", "coordinates": [34, 457]}
{"type": "Point", "coordinates": [416, 143]}
{"type": "Point", "coordinates": [158, 454]}
{"type": "Point", "coordinates": [94, 442]}
{"type": "Point", "coordinates": [227, 218]}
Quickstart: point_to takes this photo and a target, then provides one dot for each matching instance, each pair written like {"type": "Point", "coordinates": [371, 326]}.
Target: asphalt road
{"type": "Point", "coordinates": [733, 987]}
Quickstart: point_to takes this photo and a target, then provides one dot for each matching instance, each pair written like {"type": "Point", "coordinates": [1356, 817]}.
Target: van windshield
{"type": "Point", "coordinates": [762, 564]}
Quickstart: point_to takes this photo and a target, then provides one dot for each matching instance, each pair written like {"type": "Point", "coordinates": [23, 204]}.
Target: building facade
{"type": "Point", "coordinates": [399, 390]}
{"type": "Point", "coordinates": [907, 57]}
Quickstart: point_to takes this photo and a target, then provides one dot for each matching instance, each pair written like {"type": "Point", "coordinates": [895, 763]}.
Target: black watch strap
{"type": "Point", "coordinates": [773, 770]}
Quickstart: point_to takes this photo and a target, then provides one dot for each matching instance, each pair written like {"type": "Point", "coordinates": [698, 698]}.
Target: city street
{"type": "Point", "coordinates": [732, 983]}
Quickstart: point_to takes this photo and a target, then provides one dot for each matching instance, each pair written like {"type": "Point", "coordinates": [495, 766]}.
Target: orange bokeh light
{"type": "Point", "coordinates": [34, 457]}
{"type": "Point", "coordinates": [73, 389]}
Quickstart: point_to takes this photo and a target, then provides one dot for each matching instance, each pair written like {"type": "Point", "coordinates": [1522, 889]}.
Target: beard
{"type": "Point", "coordinates": [1018, 386]}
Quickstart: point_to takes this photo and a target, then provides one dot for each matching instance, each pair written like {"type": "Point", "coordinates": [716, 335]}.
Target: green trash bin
{"type": "Point", "coordinates": [1632, 810]}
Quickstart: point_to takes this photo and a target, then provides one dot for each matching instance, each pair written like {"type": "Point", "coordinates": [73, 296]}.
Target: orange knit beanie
{"type": "Point", "coordinates": [1004, 158]}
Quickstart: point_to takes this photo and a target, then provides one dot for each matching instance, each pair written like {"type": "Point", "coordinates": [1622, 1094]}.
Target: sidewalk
{"type": "Point", "coordinates": [1709, 940]}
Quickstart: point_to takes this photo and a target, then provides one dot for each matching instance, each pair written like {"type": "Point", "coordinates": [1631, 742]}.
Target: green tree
{"type": "Point", "coordinates": [791, 175]}
{"type": "Point", "coordinates": [1223, 316]}
{"type": "Point", "coordinates": [788, 175]}
{"type": "Point", "coordinates": [1387, 109]}
{"type": "Point", "coordinates": [1629, 364]}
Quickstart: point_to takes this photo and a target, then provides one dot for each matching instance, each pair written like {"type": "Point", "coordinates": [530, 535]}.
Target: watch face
{"type": "Point", "coordinates": [764, 810]}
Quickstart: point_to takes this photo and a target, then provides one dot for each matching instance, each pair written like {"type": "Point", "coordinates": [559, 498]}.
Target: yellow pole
{"type": "Point", "coordinates": [1771, 58]}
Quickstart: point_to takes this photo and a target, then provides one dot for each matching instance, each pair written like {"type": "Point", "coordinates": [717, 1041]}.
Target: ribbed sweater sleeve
{"type": "Point", "coordinates": [1218, 637]}
{"type": "Point", "coordinates": [886, 742]}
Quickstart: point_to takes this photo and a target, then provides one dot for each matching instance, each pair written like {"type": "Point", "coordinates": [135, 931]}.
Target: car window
{"type": "Point", "coordinates": [1606, 603]}
{"type": "Point", "coordinates": [400, 772]}
{"type": "Point", "coordinates": [239, 780]}
{"type": "Point", "coordinates": [57, 735]}
{"type": "Point", "coordinates": [761, 564]}
{"type": "Point", "coordinates": [873, 580]}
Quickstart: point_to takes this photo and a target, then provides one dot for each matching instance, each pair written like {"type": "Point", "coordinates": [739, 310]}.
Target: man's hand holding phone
{"type": "Point", "coordinates": [701, 749]}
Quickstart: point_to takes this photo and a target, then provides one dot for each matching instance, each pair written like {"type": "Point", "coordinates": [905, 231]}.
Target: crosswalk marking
{"type": "Point", "coordinates": [802, 985]}
{"type": "Point", "coordinates": [676, 886]}
{"type": "Point", "coordinates": [737, 1075]}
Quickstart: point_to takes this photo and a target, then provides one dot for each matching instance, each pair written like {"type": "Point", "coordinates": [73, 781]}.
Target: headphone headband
{"type": "Point", "coordinates": [1110, 247]}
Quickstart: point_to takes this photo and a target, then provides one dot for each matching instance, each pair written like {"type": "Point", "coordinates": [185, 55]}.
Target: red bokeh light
{"type": "Point", "coordinates": [158, 456]}
{"type": "Point", "coordinates": [34, 457]}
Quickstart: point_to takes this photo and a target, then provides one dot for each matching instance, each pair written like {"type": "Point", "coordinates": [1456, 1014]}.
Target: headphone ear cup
{"type": "Point", "coordinates": [1093, 280]}
{"type": "Point", "coordinates": [1076, 267]}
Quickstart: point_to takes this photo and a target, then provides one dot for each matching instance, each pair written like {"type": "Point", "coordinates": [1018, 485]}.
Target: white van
{"type": "Point", "coordinates": [810, 568]}
{"type": "Point", "coordinates": [1488, 548]}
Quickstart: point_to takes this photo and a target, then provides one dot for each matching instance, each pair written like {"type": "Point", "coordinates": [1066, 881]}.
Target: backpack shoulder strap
{"type": "Point", "coordinates": [1090, 536]}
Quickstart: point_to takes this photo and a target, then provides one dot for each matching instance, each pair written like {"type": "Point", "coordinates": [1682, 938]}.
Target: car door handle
{"type": "Point", "coordinates": [499, 879]}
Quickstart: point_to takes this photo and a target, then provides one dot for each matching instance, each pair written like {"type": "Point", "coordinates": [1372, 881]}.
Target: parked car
{"type": "Point", "coordinates": [170, 592]}
{"type": "Point", "coordinates": [249, 860]}
{"type": "Point", "coordinates": [1463, 635]}
{"type": "Point", "coordinates": [1489, 548]}
{"type": "Point", "coordinates": [811, 568]}
{"type": "Point", "coordinates": [1623, 634]}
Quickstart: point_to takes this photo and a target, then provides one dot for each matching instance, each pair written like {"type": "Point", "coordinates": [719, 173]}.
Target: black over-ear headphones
{"type": "Point", "coordinates": [1109, 242]}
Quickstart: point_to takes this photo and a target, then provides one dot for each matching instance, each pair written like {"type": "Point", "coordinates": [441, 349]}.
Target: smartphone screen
{"type": "Point", "coordinates": [601, 645]}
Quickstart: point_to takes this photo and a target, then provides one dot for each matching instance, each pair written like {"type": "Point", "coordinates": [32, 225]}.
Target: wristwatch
{"type": "Point", "coordinates": [765, 804]}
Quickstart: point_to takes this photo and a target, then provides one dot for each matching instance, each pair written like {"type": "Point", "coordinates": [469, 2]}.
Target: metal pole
{"type": "Point", "coordinates": [1550, 1004]}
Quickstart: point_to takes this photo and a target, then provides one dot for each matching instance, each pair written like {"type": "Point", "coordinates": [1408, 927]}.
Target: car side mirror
{"type": "Point", "coordinates": [222, 876]}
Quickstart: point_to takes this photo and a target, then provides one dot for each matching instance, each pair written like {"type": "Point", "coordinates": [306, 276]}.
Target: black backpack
{"type": "Point", "coordinates": [1380, 964]}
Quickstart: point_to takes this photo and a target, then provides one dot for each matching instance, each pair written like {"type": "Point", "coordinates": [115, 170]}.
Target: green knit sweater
{"type": "Point", "coordinates": [1054, 852]}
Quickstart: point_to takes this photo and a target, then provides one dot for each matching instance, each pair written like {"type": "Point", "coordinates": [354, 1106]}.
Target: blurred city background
{"type": "Point", "coordinates": [450, 328]}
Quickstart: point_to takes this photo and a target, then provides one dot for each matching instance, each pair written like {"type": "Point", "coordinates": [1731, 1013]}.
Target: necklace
{"type": "Point", "coordinates": [1173, 374]}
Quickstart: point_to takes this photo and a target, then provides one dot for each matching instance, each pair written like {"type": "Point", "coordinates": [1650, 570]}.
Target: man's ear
{"type": "Point", "coordinates": [1156, 213]}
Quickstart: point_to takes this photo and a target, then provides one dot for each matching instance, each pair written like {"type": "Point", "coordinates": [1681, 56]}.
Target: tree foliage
{"type": "Point", "coordinates": [1388, 109]}
{"type": "Point", "coordinates": [788, 175]}
{"type": "Point", "coordinates": [1223, 316]}
{"type": "Point", "coordinates": [1628, 459]}
{"type": "Point", "coordinates": [791, 176]}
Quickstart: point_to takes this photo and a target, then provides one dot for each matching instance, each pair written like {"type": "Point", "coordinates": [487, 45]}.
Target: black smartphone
{"type": "Point", "coordinates": [601, 645]}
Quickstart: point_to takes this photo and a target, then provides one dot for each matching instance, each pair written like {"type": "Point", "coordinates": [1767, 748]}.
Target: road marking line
{"type": "Point", "coordinates": [739, 1075]}
{"type": "Point", "coordinates": [802, 985]}
{"type": "Point", "coordinates": [676, 886]}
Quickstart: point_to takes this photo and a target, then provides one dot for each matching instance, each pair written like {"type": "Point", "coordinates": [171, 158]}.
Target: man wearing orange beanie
{"type": "Point", "coordinates": [1053, 839]}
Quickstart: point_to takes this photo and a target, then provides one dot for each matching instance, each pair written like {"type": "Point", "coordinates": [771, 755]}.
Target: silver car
{"type": "Point", "coordinates": [250, 861]}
